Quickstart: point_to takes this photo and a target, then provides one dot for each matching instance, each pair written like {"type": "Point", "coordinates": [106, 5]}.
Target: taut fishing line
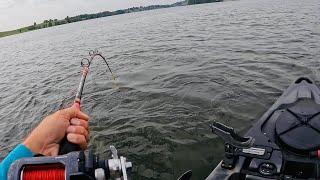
{"type": "Point", "coordinates": [85, 64]}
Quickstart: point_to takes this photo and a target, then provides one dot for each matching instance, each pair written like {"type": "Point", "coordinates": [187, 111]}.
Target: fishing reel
{"type": "Point", "coordinates": [79, 165]}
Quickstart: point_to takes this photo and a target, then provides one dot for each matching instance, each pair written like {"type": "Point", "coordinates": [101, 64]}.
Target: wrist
{"type": "Point", "coordinates": [33, 144]}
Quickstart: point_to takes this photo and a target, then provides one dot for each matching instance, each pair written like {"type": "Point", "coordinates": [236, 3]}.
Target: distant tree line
{"type": "Point", "coordinates": [82, 17]}
{"type": "Point", "coordinates": [190, 2]}
{"type": "Point", "coordinates": [44, 24]}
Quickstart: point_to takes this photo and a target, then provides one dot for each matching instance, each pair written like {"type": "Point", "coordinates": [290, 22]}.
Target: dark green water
{"type": "Point", "coordinates": [178, 70]}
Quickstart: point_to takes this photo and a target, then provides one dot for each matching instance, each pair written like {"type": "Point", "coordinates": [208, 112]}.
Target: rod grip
{"type": "Point", "coordinates": [65, 145]}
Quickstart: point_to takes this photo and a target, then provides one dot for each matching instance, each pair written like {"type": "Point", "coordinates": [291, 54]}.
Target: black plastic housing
{"type": "Point", "coordinates": [291, 128]}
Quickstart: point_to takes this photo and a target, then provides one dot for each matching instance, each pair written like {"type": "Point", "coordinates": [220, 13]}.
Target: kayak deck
{"type": "Point", "coordinates": [289, 136]}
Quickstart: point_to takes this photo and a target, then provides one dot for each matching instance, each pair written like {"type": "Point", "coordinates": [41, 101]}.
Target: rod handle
{"type": "Point", "coordinates": [65, 145]}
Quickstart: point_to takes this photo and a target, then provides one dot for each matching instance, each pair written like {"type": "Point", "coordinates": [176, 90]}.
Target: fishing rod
{"type": "Point", "coordinates": [72, 163]}
{"type": "Point", "coordinates": [65, 145]}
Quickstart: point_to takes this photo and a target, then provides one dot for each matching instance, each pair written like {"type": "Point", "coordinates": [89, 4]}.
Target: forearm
{"type": "Point", "coordinates": [18, 152]}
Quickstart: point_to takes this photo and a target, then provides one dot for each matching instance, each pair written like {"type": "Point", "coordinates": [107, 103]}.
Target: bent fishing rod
{"type": "Point", "coordinates": [72, 163]}
{"type": "Point", "coordinates": [65, 145]}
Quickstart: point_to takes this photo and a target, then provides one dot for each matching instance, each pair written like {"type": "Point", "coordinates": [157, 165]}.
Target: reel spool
{"type": "Point", "coordinates": [44, 172]}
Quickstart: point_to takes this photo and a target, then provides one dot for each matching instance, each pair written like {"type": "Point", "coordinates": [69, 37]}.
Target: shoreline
{"type": "Point", "coordinates": [83, 17]}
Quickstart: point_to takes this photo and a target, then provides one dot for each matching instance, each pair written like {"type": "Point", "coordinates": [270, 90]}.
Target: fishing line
{"type": "Point", "coordinates": [44, 172]}
{"type": "Point", "coordinates": [85, 64]}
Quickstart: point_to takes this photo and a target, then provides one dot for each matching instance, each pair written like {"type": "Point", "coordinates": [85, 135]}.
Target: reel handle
{"type": "Point", "coordinates": [65, 145]}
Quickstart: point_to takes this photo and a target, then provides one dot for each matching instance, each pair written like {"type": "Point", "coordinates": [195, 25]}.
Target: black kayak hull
{"type": "Point", "coordinates": [291, 129]}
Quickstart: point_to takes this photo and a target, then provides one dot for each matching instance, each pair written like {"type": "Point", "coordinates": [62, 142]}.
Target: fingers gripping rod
{"type": "Point", "coordinates": [66, 146]}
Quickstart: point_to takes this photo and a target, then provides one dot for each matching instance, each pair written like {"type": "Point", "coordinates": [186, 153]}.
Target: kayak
{"type": "Point", "coordinates": [283, 144]}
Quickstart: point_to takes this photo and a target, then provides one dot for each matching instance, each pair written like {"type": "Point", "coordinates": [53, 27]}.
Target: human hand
{"type": "Point", "coordinates": [46, 137]}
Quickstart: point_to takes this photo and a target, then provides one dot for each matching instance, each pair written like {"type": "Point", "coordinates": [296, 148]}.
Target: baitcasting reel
{"type": "Point", "coordinates": [79, 165]}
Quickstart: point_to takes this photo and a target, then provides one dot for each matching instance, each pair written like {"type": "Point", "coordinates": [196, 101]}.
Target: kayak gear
{"type": "Point", "coordinates": [80, 165]}
{"type": "Point", "coordinates": [65, 145]}
{"type": "Point", "coordinates": [230, 136]}
{"type": "Point", "coordinates": [283, 144]}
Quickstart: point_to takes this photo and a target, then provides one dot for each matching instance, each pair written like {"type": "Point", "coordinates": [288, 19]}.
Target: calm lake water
{"type": "Point", "coordinates": [177, 70]}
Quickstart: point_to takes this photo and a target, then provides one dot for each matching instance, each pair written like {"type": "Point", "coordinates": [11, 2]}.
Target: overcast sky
{"type": "Point", "coordinates": [18, 13]}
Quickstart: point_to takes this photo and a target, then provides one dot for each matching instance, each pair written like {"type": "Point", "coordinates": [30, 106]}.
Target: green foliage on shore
{"type": "Point", "coordinates": [191, 2]}
{"type": "Point", "coordinates": [83, 17]}
{"type": "Point", "coordinates": [35, 26]}
{"type": "Point", "coordinates": [17, 31]}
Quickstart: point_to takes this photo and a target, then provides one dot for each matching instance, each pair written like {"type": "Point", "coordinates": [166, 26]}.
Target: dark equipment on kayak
{"type": "Point", "coordinates": [283, 144]}
{"type": "Point", "coordinates": [66, 146]}
{"type": "Point", "coordinates": [78, 165]}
